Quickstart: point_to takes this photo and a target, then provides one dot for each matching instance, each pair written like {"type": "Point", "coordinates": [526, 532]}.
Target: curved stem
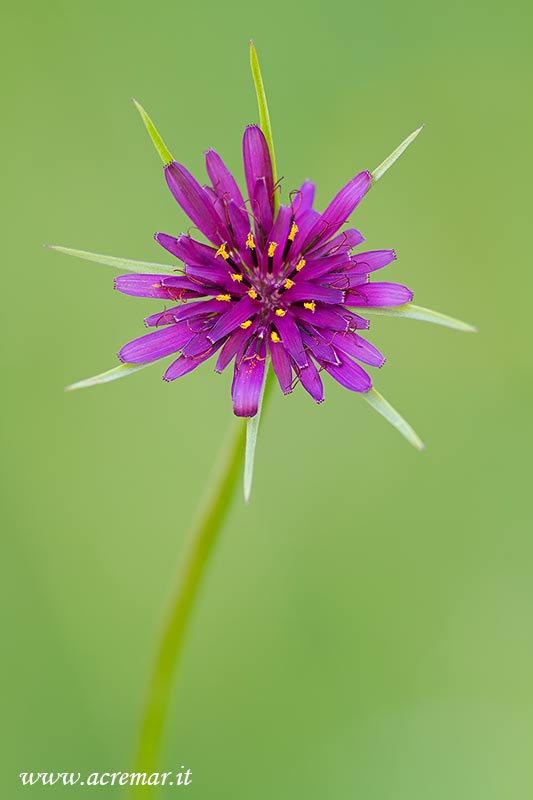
{"type": "Point", "coordinates": [212, 515]}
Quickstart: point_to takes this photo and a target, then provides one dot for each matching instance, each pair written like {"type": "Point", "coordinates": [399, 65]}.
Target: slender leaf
{"type": "Point", "coordinates": [394, 156]}
{"type": "Point", "coordinates": [164, 153]}
{"type": "Point", "coordinates": [264, 116]}
{"type": "Point", "coordinates": [105, 377]}
{"type": "Point", "coordinates": [425, 314]}
{"type": "Point", "coordinates": [113, 261]}
{"type": "Point", "coordinates": [384, 408]}
{"type": "Point", "coordinates": [252, 428]}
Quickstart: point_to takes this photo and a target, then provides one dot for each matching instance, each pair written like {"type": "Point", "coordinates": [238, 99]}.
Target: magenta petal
{"type": "Point", "coordinates": [218, 277]}
{"type": "Point", "coordinates": [163, 286]}
{"type": "Point", "coordinates": [248, 379]}
{"type": "Point", "coordinates": [347, 279]}
{"type": "Point", "coordinates": [166, 317]}
{"type": "Point", "coordinates": [223, 181]}
{"type": "Point", "coordinates": [195, 202]}
{"type": "Point", "coordinates": [305, 223]}
{"type": "Point", "coordinates": [188, 249]}
{"type": "Point", "coordinates": [338, 319]}
{"type": "Point", "coordinates": [240, 226]}
{"type": "Point", "coordinates": [240, 312]}
{"type": "Point", "coordinates": [339, 209]}
{"type": "Point", "coordinates": [303, 199]}
{"type": "Point", "coordinates": [262, 209]}
{"type": "Point", "coordinates": [320, 346]}
{"type": "Point", "coordinates": [170, 243]}
{"type": "Point", "coordinates": [233, 344]}
{"type": "Point", "coordinates": [372, 260]}
{"type": "Point", "coordinates": [317, 267]}
{"type": "Point", "coordinates": [197, 346]}
{"type": "Point", "coordinates": [155, 345]}
{"type": "Point", "coordinates": [350, 375]}
{"type": "Point", "coordinates": [201, 309]}
{"type": "Point", "coordinates": [379, 294]}
{"type": "Point", "coordinates": [312, 382]}
{"type": "Point", "coordinates": [306, 291]}
{"type": "Point", "coordinates": [183, 365]}
{"type": "Point", "coordinates": [323, 317]}
{"type": "Point", "coordinates": [291, 338]}
{"type": "Point", "coordinates": [281, 364]}
{"type": "Point", "coordinates": [257, 163]}
{"type": "Point", "coordinates": [343, 242]}
{"type": "Point", "coordinates": [357, 347]}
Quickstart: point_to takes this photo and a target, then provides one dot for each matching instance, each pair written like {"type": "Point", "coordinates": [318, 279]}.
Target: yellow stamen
{"type": "Point", "coordinates": [272, 249]}
{"type": "Point", "coordinates": [294, 231]}
{"type": "Point", "coordinates": [274, 336]}
{"type": "Point", "coordinates": [250, 242]}
{"type": "Point", "coordinates": [222, 252]}
{"type": "Point", "coordinates": [252, 293]}
{"type": "Point", "coordinates": [156, 285]}
{"type": "Point", "coordinates": [246, 324]}
{"type": "Point", "coordinates": [311, 306]}
{"type": "Point", "coordinates": [288, 283]}
{"type": "Point", "coordinates": [225, 297]}
{"type": "Point", "coordinates": [236, 277]}
{"type": "Point", "coordinates": [301, 264]}
{"type": "Point", "coordinates": [280, 312]}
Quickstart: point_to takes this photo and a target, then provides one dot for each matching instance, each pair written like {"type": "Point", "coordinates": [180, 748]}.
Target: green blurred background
{"type": "Point", "coordinates": [365, 629]}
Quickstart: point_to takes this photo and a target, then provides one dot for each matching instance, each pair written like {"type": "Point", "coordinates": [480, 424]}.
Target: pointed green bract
{"type": "Point", "coordinates": [264, 116]}
{"type": "Point", "coordinates": [394, 156]}
{"type": "Point", "coordinates": [384, 408]}
{"type": "Point", "coordinates": [252, 428]}
{"type": "Point", "coordinates": [113, 261]}
{"type": "Point", "coordinates": [164, 153]}
{"type": "Point", "coordinates": [424, 314]}
{"type": "Point", "coordinates": [106, 377]}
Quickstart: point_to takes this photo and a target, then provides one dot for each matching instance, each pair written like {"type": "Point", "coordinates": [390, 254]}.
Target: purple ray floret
{"type": "Point", "coordinates": [280, 284]}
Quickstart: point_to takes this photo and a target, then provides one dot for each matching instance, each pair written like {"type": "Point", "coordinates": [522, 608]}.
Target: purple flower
{"type": "Point", "coordinates": [270, 283]}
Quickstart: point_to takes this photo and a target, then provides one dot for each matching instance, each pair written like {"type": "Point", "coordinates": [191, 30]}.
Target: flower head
{"type": "Point", "coordinates": [279, 283]}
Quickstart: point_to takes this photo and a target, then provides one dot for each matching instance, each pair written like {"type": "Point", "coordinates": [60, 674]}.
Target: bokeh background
{"type": "Point", "coordinates": [365, 629]}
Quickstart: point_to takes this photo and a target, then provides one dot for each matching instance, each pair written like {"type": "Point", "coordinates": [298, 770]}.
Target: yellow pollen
{"type": "Point", "coordinates": [222, 252]}
{"type": "Point", "coordinates": [280, 312]}
{"type": "Point", "coordinates": [236, 277]}
{"type": "Point", "coordinates": [274, 336]}
{"type": "Point", "coordinates": [311, 306]}
{"type": "Point", "coordinates": [294, 231]}
{"type": "Point", "coordinates": [301, 264]}
{"type": "Point", "coordinates": [272, 249]}
{"type": "Point", "coordinates": [288, 283]}
{"type": "Point", "coordinates": [246, 324]}
{"type": "Point", "coordinates": [156, 285]}
{"type": "Point", "coordinates": [225, 297]}
{"type": "Point", "coordinates": [252, 293]}
{"type": "Point", "coordinates": [250, 242]}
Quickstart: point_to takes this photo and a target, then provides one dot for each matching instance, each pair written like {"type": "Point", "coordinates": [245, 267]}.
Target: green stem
{"type": "Point", "coordinates": [205, 532]}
